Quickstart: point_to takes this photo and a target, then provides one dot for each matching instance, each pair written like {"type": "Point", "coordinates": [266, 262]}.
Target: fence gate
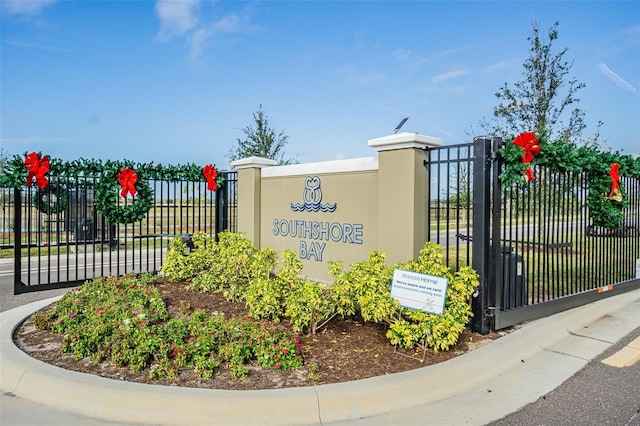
{"type": "Point", "coordinates": [534, 246]}
{"type": "Point", "coordinates": [60, 240]}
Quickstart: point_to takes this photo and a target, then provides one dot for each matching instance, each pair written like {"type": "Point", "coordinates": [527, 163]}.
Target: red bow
{"type": "Point", "coordinates": [127, 179]}
{"type": "Point", "coordinates": [210, 173]}
{"type": "Point", "coordinates": [529, 143]}
{"type": "Point", "coordinates": [616, 192]}
{"type": "Point", "coordinates": [37, 168]}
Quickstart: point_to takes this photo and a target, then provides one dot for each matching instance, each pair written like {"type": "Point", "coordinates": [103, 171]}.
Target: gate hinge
{"type": "Point", "coordinates": [491, 312]}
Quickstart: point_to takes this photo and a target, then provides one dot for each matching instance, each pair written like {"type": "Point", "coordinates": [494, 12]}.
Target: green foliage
{"type": "Point", "coordinates": [540, 102]}
{"type": "Point", "coordinates": [108, 201]}
{"type": "Point", "coordinates": [561, 156]}
{"type": "Point", "coordinates": [234, 263]}
{"type": "Point", "coordinates": [441, 332]}
{"type": "Point", "coordinates": [261, 141]}
{"type": "Point", "coordinates": [125, 320]}
{"type": "Point", "coordinates": [307, 305]}
{"type": "Point", "coordinates": [15, 173]}
{"type": "Point", "coordinates": [177, 263]}
{"type": "Point", "coordinates": [365, 289]}
{"type": "Point", "coordinates": [105, 174]}
{"type": "Point", "coordinates": [265, 296]}
{"type": "Point", "coordinates": [226, 266]}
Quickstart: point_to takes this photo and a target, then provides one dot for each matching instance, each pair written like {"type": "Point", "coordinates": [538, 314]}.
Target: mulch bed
{"type": "Point", "coordinates": [343, 350]}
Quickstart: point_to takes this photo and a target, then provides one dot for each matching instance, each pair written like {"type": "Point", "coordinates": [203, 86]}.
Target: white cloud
{"type": "Point", "coordinates": [25, 7]}
{"type": "Point", "coordinates": [442, 84]}
{"type": "Point", "coordinates": [619, 81]}
{"type": "Point", "coordinates": [440, 78]}
{"type": "Point", "coordinates": [355, 77]}
{"type": "Point", "coordinates": [37, 46]}
{"type": "Point", "coordinates": [498, 65]}
{"type": "Point", "coordinates": [401, 54]}
{"type": "Point", "coordinates": [177, 17]}
{"type": "Point", "coordinates": [185, 19]}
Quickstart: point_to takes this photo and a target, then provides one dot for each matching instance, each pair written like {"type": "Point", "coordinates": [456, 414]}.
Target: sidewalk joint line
{"type": "Point", "coordinates": [318, 404]}
{"type": "Point", "coordinates": [573, 333]}
{"type": "Point", "coordinates": [564, 353]}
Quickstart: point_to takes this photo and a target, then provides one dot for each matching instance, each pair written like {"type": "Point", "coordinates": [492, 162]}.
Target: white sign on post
{"type": "Point", "coordinates": [419, 291]}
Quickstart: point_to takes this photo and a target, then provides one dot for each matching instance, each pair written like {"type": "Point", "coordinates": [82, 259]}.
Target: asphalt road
{"type": "Point", "coordinates": [7, 298]}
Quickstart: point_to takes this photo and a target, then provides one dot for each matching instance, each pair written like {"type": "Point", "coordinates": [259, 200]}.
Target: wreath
{"type": "Point", "coordinates": [122, 183]}
{"type": "Point", "coordinates": [606, 198]}
{"type": "Point", "coordinates": [52, 199]}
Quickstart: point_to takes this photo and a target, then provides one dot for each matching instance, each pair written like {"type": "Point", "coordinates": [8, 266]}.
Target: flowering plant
{"type": "Point", "coordinates": [125, 320]}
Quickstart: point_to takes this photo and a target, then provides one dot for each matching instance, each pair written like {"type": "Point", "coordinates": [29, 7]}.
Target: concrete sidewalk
{"type": "Point", "coordinates": [476, 388]}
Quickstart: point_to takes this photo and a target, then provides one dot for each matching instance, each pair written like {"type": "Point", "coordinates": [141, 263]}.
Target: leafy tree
{"type": "Point", "coordinates": [541, 101]}
{"type": "Point", "coordinates": [261, 141]}
{"type": "Point", "coordinates": [4, 157]}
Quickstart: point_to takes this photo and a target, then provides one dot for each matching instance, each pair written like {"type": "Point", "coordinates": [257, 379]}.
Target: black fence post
{"type": "Point", "coordinates": [481, 248]}
{"type": "Point", "coordinates": [222, 212]}
{"type": "Point", "coordinates": [17, 235]}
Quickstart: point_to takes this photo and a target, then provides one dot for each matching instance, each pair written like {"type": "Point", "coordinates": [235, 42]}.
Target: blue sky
{"type": "Point", "coordinates": [176, 81]}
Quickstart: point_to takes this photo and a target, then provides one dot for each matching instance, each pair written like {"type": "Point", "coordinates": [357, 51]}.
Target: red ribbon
{"type": "Point", "coordinates": [529, 143]}
{"type": "Point", "coordinates": [37, 168]}
{"type": "Point", "coordinates": [616, 192]}
{"type": "Point", "coordinates": [210, 173]}
{"type": "Point", "coordinates": [529, 176]}
{"type": "Point", "coordinates": [127, 179]}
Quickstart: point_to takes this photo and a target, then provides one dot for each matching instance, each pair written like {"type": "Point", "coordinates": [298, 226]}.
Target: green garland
{"type": "Point", "coordinates": [562, 156]}
{"type": "Point", "coordinates": [15, 174]}
{"type": "Point", "coordinates": [43, 199]}
{"type": "Point", "coordinates": [107, 188]}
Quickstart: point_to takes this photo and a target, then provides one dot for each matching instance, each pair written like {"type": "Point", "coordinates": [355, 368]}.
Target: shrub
{"type": "Point", "coordinates": [182, 264]}
{"type": "Point", "coordinates": [233, 264]}
{"type": "Point", "coordinates": [126, 321]}
{"type": "Point", "coordinates": [265, 295]}
{"type": "Point", "coordinates": [440, 331]}
{"type": "Point", "coordinates": [307, 305]}
{"type": "Point", "coordinates": [365, 289]}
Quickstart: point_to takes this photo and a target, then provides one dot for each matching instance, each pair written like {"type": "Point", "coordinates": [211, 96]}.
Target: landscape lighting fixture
{"type": "Point", "coordinates": [404, 120]}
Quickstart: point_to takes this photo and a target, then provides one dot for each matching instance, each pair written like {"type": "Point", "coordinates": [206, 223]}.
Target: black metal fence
{"type": "Point", "coordinates": [58, 239]}
{"type": "Point", "coordinates": [535, 247]}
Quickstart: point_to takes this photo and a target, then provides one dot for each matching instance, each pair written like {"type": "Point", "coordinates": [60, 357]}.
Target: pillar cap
{"type": "Point", "coordinates": [403, 140]}
{"type": "Point", "coordinates": [253, 163]}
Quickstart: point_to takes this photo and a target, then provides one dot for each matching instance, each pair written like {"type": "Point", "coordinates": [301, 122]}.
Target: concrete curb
{"type": "Point", "coordinates": [489, 382]}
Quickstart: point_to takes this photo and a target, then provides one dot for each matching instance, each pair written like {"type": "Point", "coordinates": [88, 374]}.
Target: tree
{"type": "Point", "coordinates": [541, 101]}
{"type": "Point", "coordinates": [4, 157]}
{"type": "Point", "coordinates": [261, 141]}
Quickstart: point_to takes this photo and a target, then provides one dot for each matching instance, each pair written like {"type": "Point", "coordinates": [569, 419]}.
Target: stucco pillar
{"type": "Point", "coordinates": [403, 185]}
{"type": "Point", "coordinates": [249, 193]}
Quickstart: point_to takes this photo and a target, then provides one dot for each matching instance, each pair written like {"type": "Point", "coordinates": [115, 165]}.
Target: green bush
{"type": "Point", "coordinates": [441, 332]}
{"type": "Point", "coordinates": [232, 265]}
{"type": "Point", "coordinates": [364, 289]}
{"type": "Point", "coordinates": [125, 320]}
{"type": "Point", "coordinates": [265, 295]}
{"type": "Point", "coordinates": [243, 272]}
{"type": "Point", "coordinates": [182, 264]}
{"type": "Point", "coordinates": [308, 305]}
